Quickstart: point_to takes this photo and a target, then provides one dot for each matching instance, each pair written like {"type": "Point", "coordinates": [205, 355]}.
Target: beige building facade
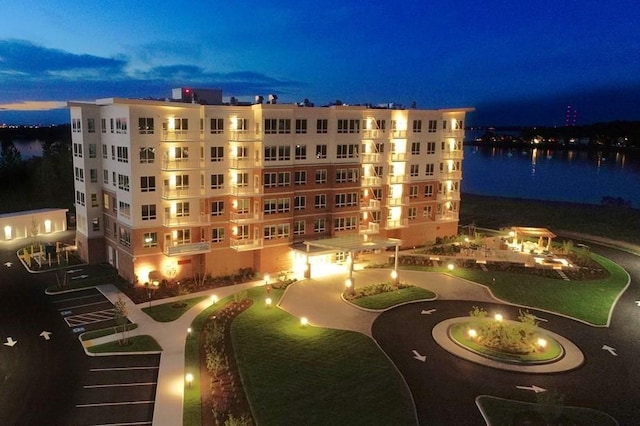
{"type": "Point", "coordinates": [168, 189]}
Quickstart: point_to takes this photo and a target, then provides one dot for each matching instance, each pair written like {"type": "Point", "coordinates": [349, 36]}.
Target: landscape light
{"type": "Point", "coordinates": [268, 301]}
{"type": "Point", "coordinates": [498, 317]}
{"type": "Point", "coordinates": [189, 330]}
{"type": "Point", "coordinates": [450, 266]}
{"type": "Point", "coordinates": [214, 299]}
{"type": "Point", "coordinates": [304, 321]}
{"type": "Point", "coordinates": [394, 274]}
{"type": "Point", "coordinates": [542, 343]}
{"type": "Point", "coordinates": [189, 379]}
{"type": "Point", "coordinates": [472, 333]}
{"type": "Point", "coordinates": [348, 283]}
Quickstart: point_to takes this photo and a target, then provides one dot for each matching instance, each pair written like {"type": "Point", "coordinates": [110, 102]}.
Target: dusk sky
{"type": "Point", "coordinates": [516, 62]}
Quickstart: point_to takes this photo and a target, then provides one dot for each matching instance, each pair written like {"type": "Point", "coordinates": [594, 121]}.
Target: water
{"type": "Point", "coordinates": [555, 175]}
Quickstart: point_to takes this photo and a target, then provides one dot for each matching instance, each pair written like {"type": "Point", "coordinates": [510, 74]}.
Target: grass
{"type": "Point", "coordinates": [192, 408]}
{"type": "Point", "coordinates": [500, 411]}
{"type": "Point", "coordinates": [171, 311]}
{"type": "Point", "coordinates": [136, 344]}
{"type": "Point", "coordinates": [310, 375]}
{"type": "Point", "coordinates": [588, 300]}
{"type": "Point", "coordinates": [90, 335]}
{"type": "Point", "coordinates": [393, 298]}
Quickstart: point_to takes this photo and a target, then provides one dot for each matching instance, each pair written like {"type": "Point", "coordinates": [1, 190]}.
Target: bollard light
{"type": "Point", "coordinates": [304, 321]}
{"type": "Point", "coordinates": [189, 379]}
{"type": "Point", "coordinates": [214, 299]}
{"type": "Point", "coordinates": [268, 302]}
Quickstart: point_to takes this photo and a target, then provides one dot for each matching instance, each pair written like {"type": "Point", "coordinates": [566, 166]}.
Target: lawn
{"type": "Point", "coordinates": [310, 375]}
{"type": "Point", "coordinates": [136, 344]}
{"type": "Point", "coordinates": [171, 311]}
{"type": "Point", "coordinates": [393, 298]}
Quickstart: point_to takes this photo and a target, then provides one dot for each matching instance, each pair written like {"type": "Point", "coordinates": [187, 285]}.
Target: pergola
{"type": "Point", "coordinates": [351, 244]}
{"type": "Point", "coordinates": [521, 232]}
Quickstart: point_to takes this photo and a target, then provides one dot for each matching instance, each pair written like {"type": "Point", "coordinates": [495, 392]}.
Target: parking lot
{"type": "Point", "coordinates": [85, 310]}
{"type": "Point", "coordinates": [117, 390]}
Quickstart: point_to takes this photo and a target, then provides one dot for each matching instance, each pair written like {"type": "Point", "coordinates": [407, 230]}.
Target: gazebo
{"type": "Point", "coordinates": [520, 233]}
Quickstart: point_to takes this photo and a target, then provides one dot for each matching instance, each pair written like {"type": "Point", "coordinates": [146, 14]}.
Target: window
{"type": "Point", "coordinates": [148, 212]}
{"type": "Point", "coordinates": [344, 223]}
{"type": "Point", "coordinates": [104, 152]}
{"type": "Point", "coordinates": [145, 125]}
{"type": "Point", "coordinates": [301, 125]}
{"type": "Point", "coordinates": [94, 200]}
{"type": "Point", "coordinates": [415, 148]}
{"type": "Point", "coordinates": [113, 178]}
{"type": "Point", "coordinates": [270, 205]}
{"type": "Point", "coordinates": [80, 198]}
{"type": "Point", "coordinates": [321, 151]}
{"type": "Point", "coordinates": [284, 178]}
{"type": "Point", "coordinates": [322, 125]}
{"type": "Point", "coordinates": [182, 236]}
{"type": "Point", "coordinates": [319, 225]}
{"type": "Point", "coordinates": [412, 213]}
{"type": "Point", "coordinates": [76, 125]}
{"type": "Point", "coordinates": [270, 153]}
{"type": "Point", "coordinates": [123, 182]}
{"type": "Point", "coordinates": [413, 191]}
{"type": "Point", "coordinates": [217, 235]}
{"type": "Point", "coordinates": [299, 202]}
{"type": "Point", "coordinates": [444, 124]}
{"type": "Point", "coordinates": [427, 211]}
{"type": "Point", "coordinates": [147, 155]}
{"type": "Point", "coordinates": [433, 126]}
{"type": "Point", "coordinates": [124, 209]}
{"type": "Point", "coordinates": [243, 206]}
{"type": "Point", "coordinates": [347, 151]}
{"type": "Point", "coordinates": [103, 125]}
{"type": "Point", "coordinates": [281, 125]}
{"type": "Point", "coordinates": [123, 154]}
{"type": "Point", "coordinates": [431, 147]}
{"type": "Point", "coordinates": [429, 168]}
{"type": "Point", "coordinates": [121, 125]}
{"type": "Point", "coordinates": [428, 191]}
{"type": "Point", "coordinates": [93, 173]}
{"type": "Point", "coordinates": [346, 200]}
{"type": "Point", "coordinates": [125, 237]}
{"type": "Point", "coordinates": [242, 124]}
{"type": "Point", "coordinates": [284, 125]}
{"type": "Point", "coordinates": [284, 152]}
{"type": "Point", "coordinates": [217, 153]}
{"type": "Point", "coordinates": [217, 125]}
{"type": "Point", "coordinates": [105, 201]}
{"type": "Point", "coordinates": [217, 208]}
{"type": "Point", "coordinates": [301, 152]}
{"type": "Point", "coordinates": [105, 177]}
{"type": "Point", "coordinates": [270, 180]}
{"type": "Point", "coordinates": [217, 181]}
{"type": "Point", "coordinates": [182, 209]}
{"type": "Point", "coordinates": [147, 183]}
{"type": "Point", "coordinates": [181, 153]}
{"type": "Point", "coordinates": [300, 177]}
{"type": "Point", "coordinates": [79, 174]}
{"type": "Point", "coordinates": [284, 205]}
{"type": "Point", "coordinates": [321, 176]}
{"type": "Point", "coordinates": [77, 150]}
{"type": "Point", "coordinates": [242, 232]}
{"type": "Point", "coordinates": [150, 239]}
{"type": "Point", "coordinates": [352, 175]}
{"type": "Point", "coordinates": [299, 227]}
{"type": "Point", "coordinates": [182, 181]}
{"type": "Point", "coordinates": [348, 126]}
{"type": "Point", "coordinates": [321, 201]}
{"type": "Point", "coordinates": [417, 126]}
{"type": "Point", "coordinates": [414, 170]}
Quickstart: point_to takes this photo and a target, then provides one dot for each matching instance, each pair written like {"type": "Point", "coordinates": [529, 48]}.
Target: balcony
{"type": "Point", "coordinates": [246, 244]}
{"type": "Point", "coordinates": [449, 196]}
{"type": "Point", "coordinates": [395, 202]}
{"type": "Point", "coordinates": [195, 220]}
{"type": "Point", "coordinates": [178, 164]}
{"type": "Point", "coordinates": [371, 205]}
{"type": "Point", "coordinates": [397, 179]}
{"type": "Point", "coordinates": [370, 181]}
{"type": "Point", "coordinates": [397, 223]}
{"type": "Point", "coordinates": [245, 163]}
{"type": "Point", "coordinates": [371, 157]}
{"type": "Point", "coordinates": [245, 190]}
{"type": "Point", "coordinates": [180, 135]}
{"type": "Point", "coordinates": [246, 217]}
{"type": "Point", "coordinates": [369, 229]}
{"type": "Point", "coordinates": [445, 217]}
{"type": "Point", "coordinates": [399, 134]}
{"type": "Point", "coordinates": [452, 175]}
{"type": "Point", "coordinates": [452, 155]}
{"type": "Point", "coordinates": [372, 134]}
{"type": "Point", "coordinates": [186, 249]}
{"type": "Point", "coordinates": [398, 156]}
{"type": "Point", "coordinates": [453, 133]}
{"type": "Point", "coordinates": [181, 193]}
{"type": "Point", "coordinates": [244, 136]}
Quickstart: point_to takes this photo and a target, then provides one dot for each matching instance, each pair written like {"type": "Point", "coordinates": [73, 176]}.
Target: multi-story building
{"type": "Point", "coordinates": [179, 188]}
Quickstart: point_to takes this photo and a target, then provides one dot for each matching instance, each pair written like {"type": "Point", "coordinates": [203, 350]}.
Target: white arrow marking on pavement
{"type": "Point", "coordinates": [10, 342]}
{"type": "Point", "coordinates": [429, 312]}
{"type": "Point", "coordinates": [46, 335]}
{"type": "Point", "coordinates": [611, 350]}
{"type": "Point", "coordinates": [419, 357]}
{"type": "Point", "coordinates": [79, 277]}
{"type": "Point", "coordinates": [638, 302]}
{"type": "Point", "coordinates": [72, 271]}
{"type": "Point", "coordinates": [8, 264]}
{"type": "Point", "coordinates": [534, 388]}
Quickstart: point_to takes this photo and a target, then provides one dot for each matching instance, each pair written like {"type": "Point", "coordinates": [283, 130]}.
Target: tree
{"type": "Point", "coordinates": [120, 316]}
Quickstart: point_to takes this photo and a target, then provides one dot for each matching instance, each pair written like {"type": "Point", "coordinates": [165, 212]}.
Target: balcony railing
{"type": "Point", "coordinates": [370, 228]}
{"type": "Point", "coordinates": [397, 223]}
{"type": "Point", "coordinates": [453, 133]}
{"type": "Point", "coordinates": [178, 193]}
{"type": "Point", "coordinates": [245, 163]}
{"type": "Point", "coordinates": [244, 136]}
{"type": "Point", "coordinates": [194, 220]}
{"type": "Point", "coordinates": [372, 134]}
{"type": "Point", "coordinates": [447, 216]}
{"type": "Point", "coordinates": [452, 175]}
{"type": "Point", "coordinates": [246, 244]}
{"type": "Point", "coordinates": [195, 163]}
{"type": "Point", "coordinates": [399, 134]}
{"type": "Point", "coordinates": [246, 217]}
{"type": "Point", "coordinates": [370, 181]}
{"type": "Point", "coordinates": [452, 155]}
{"type": "Point", "coordinates": [397, 179]}
{"type": "Point", "coordinates": [180, 135]}
{"type": "Point", "coordinates": [399, 156]}
{"type": "Point", "coordinates": [395, 202]}
{"type": "Point", "coordinates": [245, 190]}
{"type": "Point", "coordinates": [371, 205]}
{"type": "Point", "coordinates": [371, 157]}
{"type": "Point", "coordinates": [449, 196]}
{"type": "Point", "coordinates": [185, 249]}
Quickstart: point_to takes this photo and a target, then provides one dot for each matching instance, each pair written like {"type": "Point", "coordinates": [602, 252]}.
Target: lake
{"type": "Point", "coordinates": [556, 175]}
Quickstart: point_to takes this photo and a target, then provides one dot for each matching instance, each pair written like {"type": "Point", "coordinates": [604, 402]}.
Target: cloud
{"type": "Point", "coordinates": [33, 106]}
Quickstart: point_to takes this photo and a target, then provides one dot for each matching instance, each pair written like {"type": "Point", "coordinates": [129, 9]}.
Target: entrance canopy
{"type": "Point", "coordinates": [353, 243]}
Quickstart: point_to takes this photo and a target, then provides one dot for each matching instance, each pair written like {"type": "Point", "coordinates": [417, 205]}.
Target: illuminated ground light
{"type": "Point", "coordinates": [268, 302]}
{"type": "Point", "coordinates": [472, 333]}
{"type": "Point", "coordinates": [304, 321]}
{"type": "Point", "coordinates": [189, 379]}
{"type": "Point", "coordinates": [450, 266]}
{"type": "Point", "coordinates": [498, 317]}
{"type": "Point", "coordinates": [214, 299]}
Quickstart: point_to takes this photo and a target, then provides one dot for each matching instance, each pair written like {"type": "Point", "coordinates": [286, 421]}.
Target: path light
{"type": "Point", "coordinates": [304, 321]}
{"type": "Point", "coordinates": [472, 333]}
{"type": "Point", "coordinates": [214, 299]}
{"type": "Point", "coordinates": [450, 266]}
{"type": "Point", "coordinates": [266, 279]}
{"type": "Point", "coordinates": [189, 379]}
{"type": "Point", "coordinates": [189, 331]}
{"type": "Point", "coordinates": [348, 283]}
{"type": "Point", "coordinates": [394, 274]}
{"type": "Point", "coordinates": [498, 317]}
{"type": "Point", "coordinates": [268, 301]}
{"type": "Point", "coordinates": [542, 343]}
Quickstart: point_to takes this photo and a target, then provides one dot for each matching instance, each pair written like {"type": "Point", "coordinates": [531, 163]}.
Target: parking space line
{"type": "Point", "coordinates": [90, 317]}
{"type": "Point", "coordinates": [120, 385]}
{"type": "Point", "coordinates": [82, 306]}
{"type": "Point", "coordinates": [108, 404]}
{"type": "Point", "coordinates": [77, 298]}
{"type": "Point", "coordinates": [124, 368]}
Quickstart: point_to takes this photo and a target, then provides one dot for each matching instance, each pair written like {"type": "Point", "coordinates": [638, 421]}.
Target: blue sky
{"type": "Point", "coordinates": [516, 62]}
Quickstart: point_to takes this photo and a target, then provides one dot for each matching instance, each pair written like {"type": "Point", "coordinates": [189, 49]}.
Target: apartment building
{"type": "Point", "coordinates": [167, 189]}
